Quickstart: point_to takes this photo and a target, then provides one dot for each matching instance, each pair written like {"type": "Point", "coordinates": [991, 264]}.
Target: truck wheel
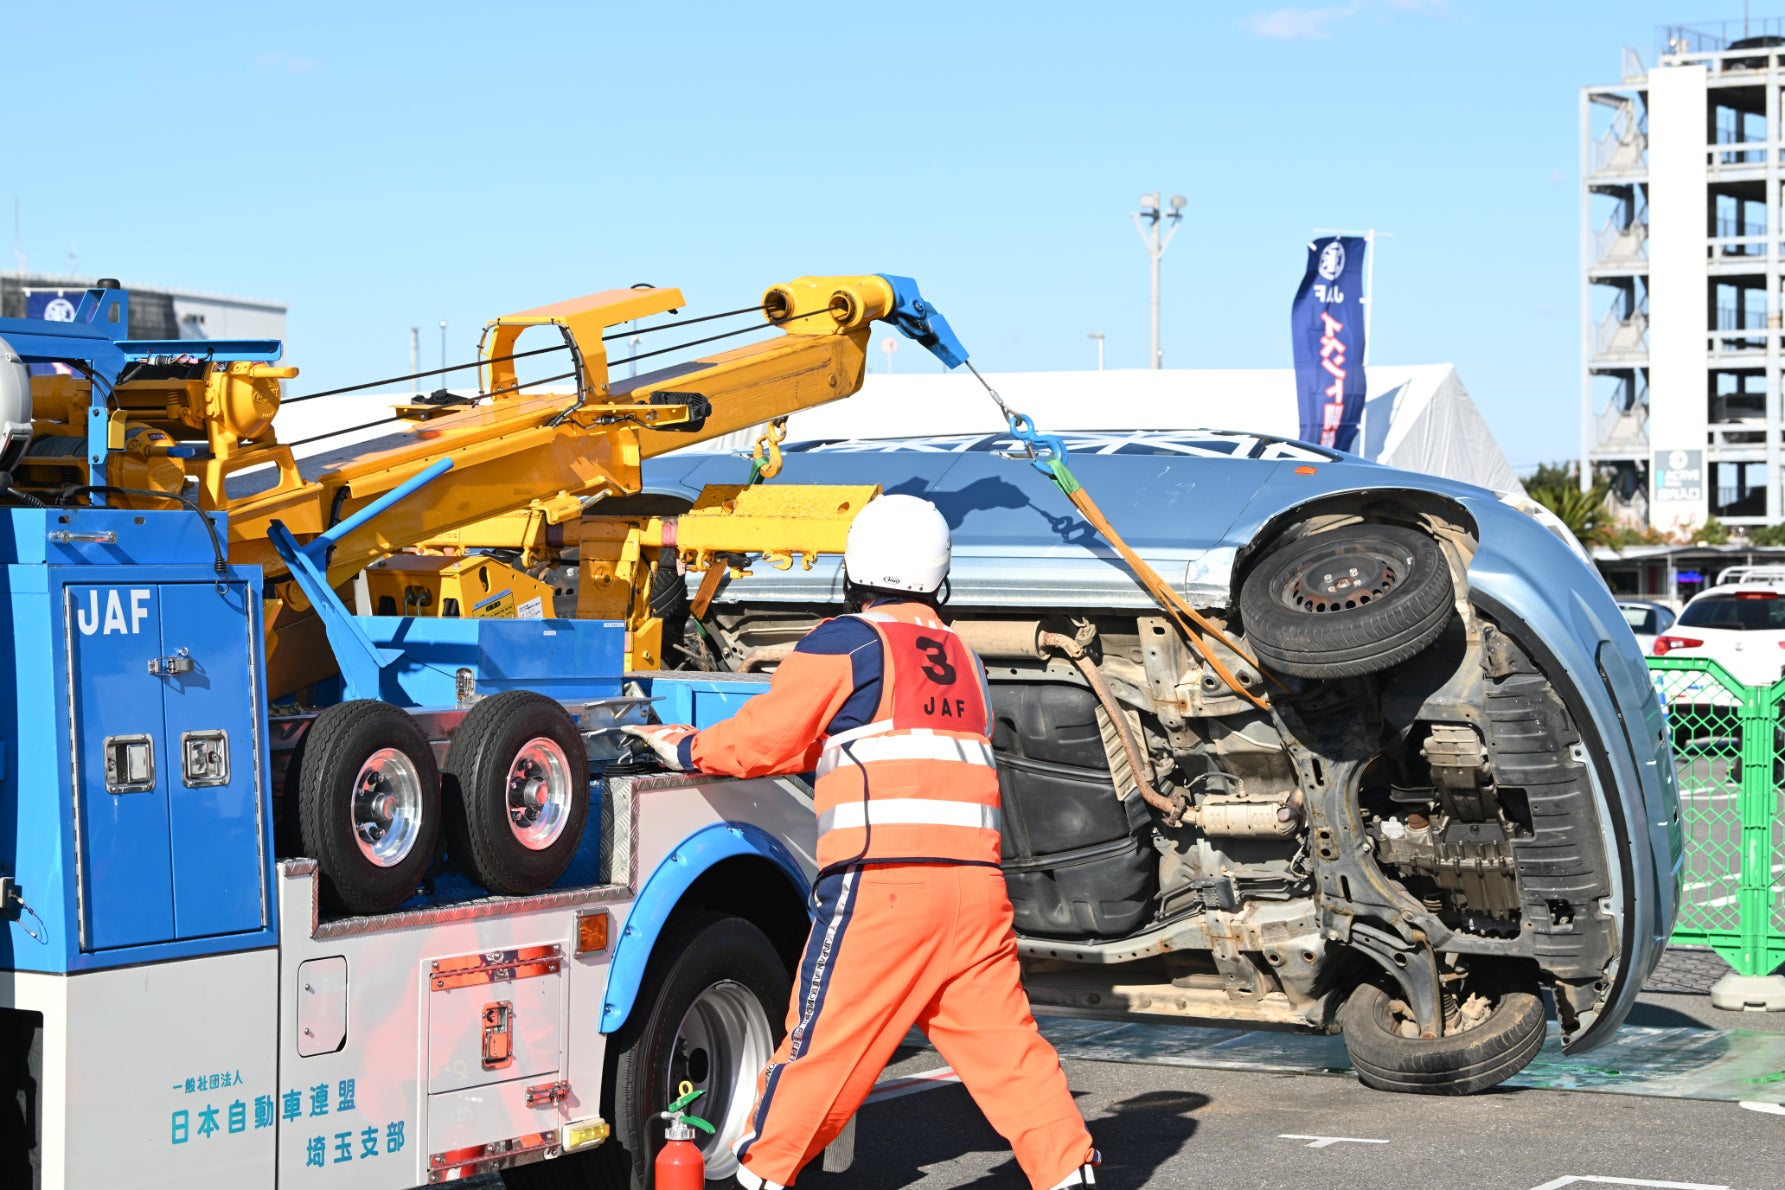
{"type": "Point", "coordinates": [368, 804]}
{"type": "Point", "coordinates": [709, 1012]}
{"type": "Point", "coordinates": [1498, 1038]}
{"type": "Point", "coordinates": [1349, 601]}
{"type": "Point", "coordinates": [516, 787]}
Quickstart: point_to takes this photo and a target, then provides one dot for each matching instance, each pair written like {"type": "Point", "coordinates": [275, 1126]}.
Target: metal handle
{"type": "Point", "coordinates": [498, 1035]}
{"type": "Point", "coordinates": [179, 663]}
{"type": "Point", "coordinates": [99, 537]}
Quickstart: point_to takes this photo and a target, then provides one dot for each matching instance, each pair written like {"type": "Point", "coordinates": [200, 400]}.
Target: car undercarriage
{"type": "Point", "coordinates": [1405, 842]}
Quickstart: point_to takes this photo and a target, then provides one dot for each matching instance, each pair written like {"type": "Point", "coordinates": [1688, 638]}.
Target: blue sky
{"type": "Point", "coordinates": [383, 165]}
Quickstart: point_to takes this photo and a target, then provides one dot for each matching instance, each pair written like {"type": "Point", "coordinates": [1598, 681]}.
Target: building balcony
{"type": "Point", "coordinates": [1622, 150]}
{"type": "Point", "coordinates": [1622, 432]}
{"type": "Point", "coordinates": [1621, 246]}
{"type": "Point", "coordinates": [1622, 338]}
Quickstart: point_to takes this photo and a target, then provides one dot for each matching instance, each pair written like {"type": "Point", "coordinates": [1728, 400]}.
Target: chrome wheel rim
{"type": "Point", "coordinates": [539, 791]}
{"type": "Point", "coordinates": [721, 1045]}
{"type": "Point", "coordinates": [387, 807]}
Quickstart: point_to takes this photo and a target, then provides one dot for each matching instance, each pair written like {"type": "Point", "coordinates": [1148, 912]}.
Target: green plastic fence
{"type": "Point", "coordinates": [1729, 752]}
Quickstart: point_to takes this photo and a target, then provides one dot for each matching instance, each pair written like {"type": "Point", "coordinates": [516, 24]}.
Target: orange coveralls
{"type": "Point", "coordinates": [913, 923]}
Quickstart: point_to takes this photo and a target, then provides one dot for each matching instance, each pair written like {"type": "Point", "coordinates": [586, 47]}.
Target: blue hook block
{"type": "Point", "coordinates": [917, 319]}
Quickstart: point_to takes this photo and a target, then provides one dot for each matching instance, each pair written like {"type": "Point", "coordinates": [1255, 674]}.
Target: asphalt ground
{"type": "Point", "coordinates": [1172, 1126]}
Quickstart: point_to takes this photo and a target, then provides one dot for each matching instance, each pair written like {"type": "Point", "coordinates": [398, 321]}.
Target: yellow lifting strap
{"type": "Point", "coordinates": [1050, 460]}
{"type": "Point", "coordinates": [1188, 618]}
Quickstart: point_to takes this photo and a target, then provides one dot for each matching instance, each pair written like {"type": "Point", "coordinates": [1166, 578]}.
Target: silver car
{"type": "Point", "coordinates": [1461, 793]}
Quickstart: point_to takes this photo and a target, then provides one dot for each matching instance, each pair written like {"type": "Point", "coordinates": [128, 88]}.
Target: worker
{"type": "Point", "coordinates": [892, 713]}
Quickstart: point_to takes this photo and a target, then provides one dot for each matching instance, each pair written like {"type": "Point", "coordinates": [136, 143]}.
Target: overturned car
{"type": "Point", "coordinates": [1439, 785]}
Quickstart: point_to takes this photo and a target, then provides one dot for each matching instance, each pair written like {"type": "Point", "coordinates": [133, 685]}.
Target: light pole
{"type": "Point", "coordinates": [889, 345]}
{"type": "Point", "coordinates": [1157, 242]}
{"type": "Point", "coordinates": [1098, 335]}
{"type": "Point", "coordinates": [443, 353]}
{"type": "Point", "coordinates": [415, 358]}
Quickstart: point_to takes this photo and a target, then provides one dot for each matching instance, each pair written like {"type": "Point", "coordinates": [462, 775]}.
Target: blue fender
{"type": "Point", "coordinates": [690, 859]}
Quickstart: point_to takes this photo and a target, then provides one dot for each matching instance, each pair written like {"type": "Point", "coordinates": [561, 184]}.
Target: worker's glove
{"type": "Point", "coordinates": [664, 739]}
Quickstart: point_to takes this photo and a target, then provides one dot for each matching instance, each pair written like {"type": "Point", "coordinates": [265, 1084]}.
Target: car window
{"type": "Point", "coordinates": [1640, 619]}
{"type": "Point", "coordinates": [1748, 613]}
{"type": "Point", "coordinates": [1666, 621]}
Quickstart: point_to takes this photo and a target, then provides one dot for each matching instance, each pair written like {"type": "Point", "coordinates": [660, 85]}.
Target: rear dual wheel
{"type": "Point", "coordinates": [514, 797]}
{"type": "Point", "coordinates": [368, 804]}
{"type": "Point", "coordinates": [516, 789]}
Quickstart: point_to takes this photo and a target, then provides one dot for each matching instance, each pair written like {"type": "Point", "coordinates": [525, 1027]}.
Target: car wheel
{"type": "Point", "coordinates": [368, 804]}
{"type": "Point", "coordinates": [709, 1013]}
{"type": "Point", "coordinates": [1348, 601]}
{"type": "Point", "coordinates": [516, 788]}
{"type": "Point", "coordinates": [1500, 1029]}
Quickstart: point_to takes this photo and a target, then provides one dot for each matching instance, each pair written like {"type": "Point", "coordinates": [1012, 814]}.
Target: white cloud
{"type": "Point", "coordinates": [1299, 24]}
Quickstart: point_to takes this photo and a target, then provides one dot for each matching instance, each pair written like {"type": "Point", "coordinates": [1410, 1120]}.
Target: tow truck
{"type": "Point", "coordinates": [301, 886]}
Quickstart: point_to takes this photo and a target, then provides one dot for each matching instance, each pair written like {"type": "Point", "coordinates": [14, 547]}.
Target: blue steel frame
{"type": "Point", "coordinates": [96, 339]}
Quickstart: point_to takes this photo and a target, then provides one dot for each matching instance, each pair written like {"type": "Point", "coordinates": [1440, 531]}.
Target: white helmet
{"type": "Point", "coordinates": [898, 543]}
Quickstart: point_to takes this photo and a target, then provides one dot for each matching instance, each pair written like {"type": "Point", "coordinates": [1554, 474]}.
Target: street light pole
{"type": "Point", "coordinates": [1157, 241]}
{"type": "Point", "coordinates": [1098, 335]}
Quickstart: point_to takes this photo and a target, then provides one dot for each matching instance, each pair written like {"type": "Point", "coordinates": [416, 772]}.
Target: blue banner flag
{"type": "Point", "coordinates": [1327, 322]}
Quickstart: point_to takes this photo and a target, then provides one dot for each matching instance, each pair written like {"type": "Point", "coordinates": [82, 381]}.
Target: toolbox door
{"type": "Point", "coordinates": [213, 770]}
{"type": "Point", "coordinates": [112, 632]}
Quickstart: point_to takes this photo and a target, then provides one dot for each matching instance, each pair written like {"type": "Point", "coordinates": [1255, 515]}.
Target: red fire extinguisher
{"type": "Point", "coordinates": [680, 1165]}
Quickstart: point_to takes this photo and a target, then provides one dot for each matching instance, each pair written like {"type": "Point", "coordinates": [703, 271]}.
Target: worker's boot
{"type": "Point", "coordinates": [1084, 1175]}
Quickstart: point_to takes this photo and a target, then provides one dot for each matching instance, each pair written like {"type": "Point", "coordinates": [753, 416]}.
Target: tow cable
{"type": "Point", "coordinates": [1047, 454]}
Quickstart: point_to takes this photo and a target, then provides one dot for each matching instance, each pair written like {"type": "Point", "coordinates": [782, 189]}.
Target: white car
{"type": "Point", "coordinates": [1647, 620]}
{"type": "Point", "coordinates": [1739, 624]}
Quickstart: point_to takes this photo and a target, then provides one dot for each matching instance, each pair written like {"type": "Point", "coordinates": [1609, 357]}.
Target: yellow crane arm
{"type": "Point", "coordinates": [523, 447]}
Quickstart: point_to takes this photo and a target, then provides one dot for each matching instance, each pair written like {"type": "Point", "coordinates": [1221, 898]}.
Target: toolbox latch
{"type": "Point", "coordinates": [498, 1034]}
{"type": "Point", "coordinates": [546, 1094]}
{"type": "Point", "coordinates": [179, 663]}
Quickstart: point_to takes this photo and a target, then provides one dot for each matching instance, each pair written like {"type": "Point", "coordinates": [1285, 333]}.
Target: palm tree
{"type": "Point", "coordinates": [1583, 512]}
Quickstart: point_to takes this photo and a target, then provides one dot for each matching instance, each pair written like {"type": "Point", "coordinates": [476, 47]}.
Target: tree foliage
{"type": "Point", "coordinates": [1557, 488]}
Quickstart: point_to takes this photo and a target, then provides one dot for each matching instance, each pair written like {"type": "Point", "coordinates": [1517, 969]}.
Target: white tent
{"type": "Point", "coordinates": [1417, 418]}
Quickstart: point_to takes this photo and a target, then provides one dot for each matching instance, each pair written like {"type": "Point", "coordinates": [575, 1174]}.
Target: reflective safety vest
{"type": "Point", "coordinates": [919, 781]}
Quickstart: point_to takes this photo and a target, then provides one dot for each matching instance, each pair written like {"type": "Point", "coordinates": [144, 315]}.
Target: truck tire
{"type": "Point", "coordinates": [516, 792]}
{"type": "Point", "coordinates": [368, 804]}
{"type": "Point", "coordinates": [710, 1011]}
{"type": "Point", "coordinates": [1348, 601]}
{"type": "Point", "coordinates": [1456, 1064]}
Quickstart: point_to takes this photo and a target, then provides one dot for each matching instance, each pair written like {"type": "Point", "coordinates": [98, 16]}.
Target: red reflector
{"type": "Point", "coordinates": [1756, 594]}
{"type": "Point", "coordinates": [1666, 644]}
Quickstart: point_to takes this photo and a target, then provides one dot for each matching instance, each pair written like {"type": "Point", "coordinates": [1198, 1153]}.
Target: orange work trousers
{"type": "Point", "coordinates": [896, 945]}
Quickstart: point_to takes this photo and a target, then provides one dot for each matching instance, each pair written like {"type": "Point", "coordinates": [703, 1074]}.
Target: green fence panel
{"type": "Point", "coordinates": [1729, 753]}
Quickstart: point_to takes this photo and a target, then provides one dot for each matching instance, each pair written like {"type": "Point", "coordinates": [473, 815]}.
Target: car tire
{"type": "Point", "coordinates": [1392, 601]}
{"type": "Point", "coordinates": [721, 963]}
{"type": "Point", "coordinates": [368, 801]}
{"type": "Point", "coordinates": [502, 836]}
{"type": "Point", "coordinates": [1455, 1064]}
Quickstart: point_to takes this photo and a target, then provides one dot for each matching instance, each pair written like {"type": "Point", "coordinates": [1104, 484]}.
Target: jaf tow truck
{"type": "Point", "coordinates": [307, 880]}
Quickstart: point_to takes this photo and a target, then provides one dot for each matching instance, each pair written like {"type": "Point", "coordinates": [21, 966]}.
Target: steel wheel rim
{"type": "Point", "coordinates": [538, 793]}
{"type": "Point", "coordinates": [1343, 577]}
{"type": "Point", "coordinates": [387, 807]}
{"type": "Point", "coordinates": [724, 1039]}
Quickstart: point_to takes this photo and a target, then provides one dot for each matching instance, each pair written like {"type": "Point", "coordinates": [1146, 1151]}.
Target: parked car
{"type": "Point", "coordinates": [1739, 623]}
{"type": "Point", "coordinates": [1461, 794]}
{"type": "Point", "coordinates": [1647, 620]}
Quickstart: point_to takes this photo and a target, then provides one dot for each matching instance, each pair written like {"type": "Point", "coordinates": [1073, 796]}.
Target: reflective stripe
{"type": "Point", "coordinates": [877, 727]}
{"type": "Point", "coordinates": [750, 1181]}
{"type": "Point", "coordinates": [908, 811]}
{"type": "Point", "coordinates": [911, 745]}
